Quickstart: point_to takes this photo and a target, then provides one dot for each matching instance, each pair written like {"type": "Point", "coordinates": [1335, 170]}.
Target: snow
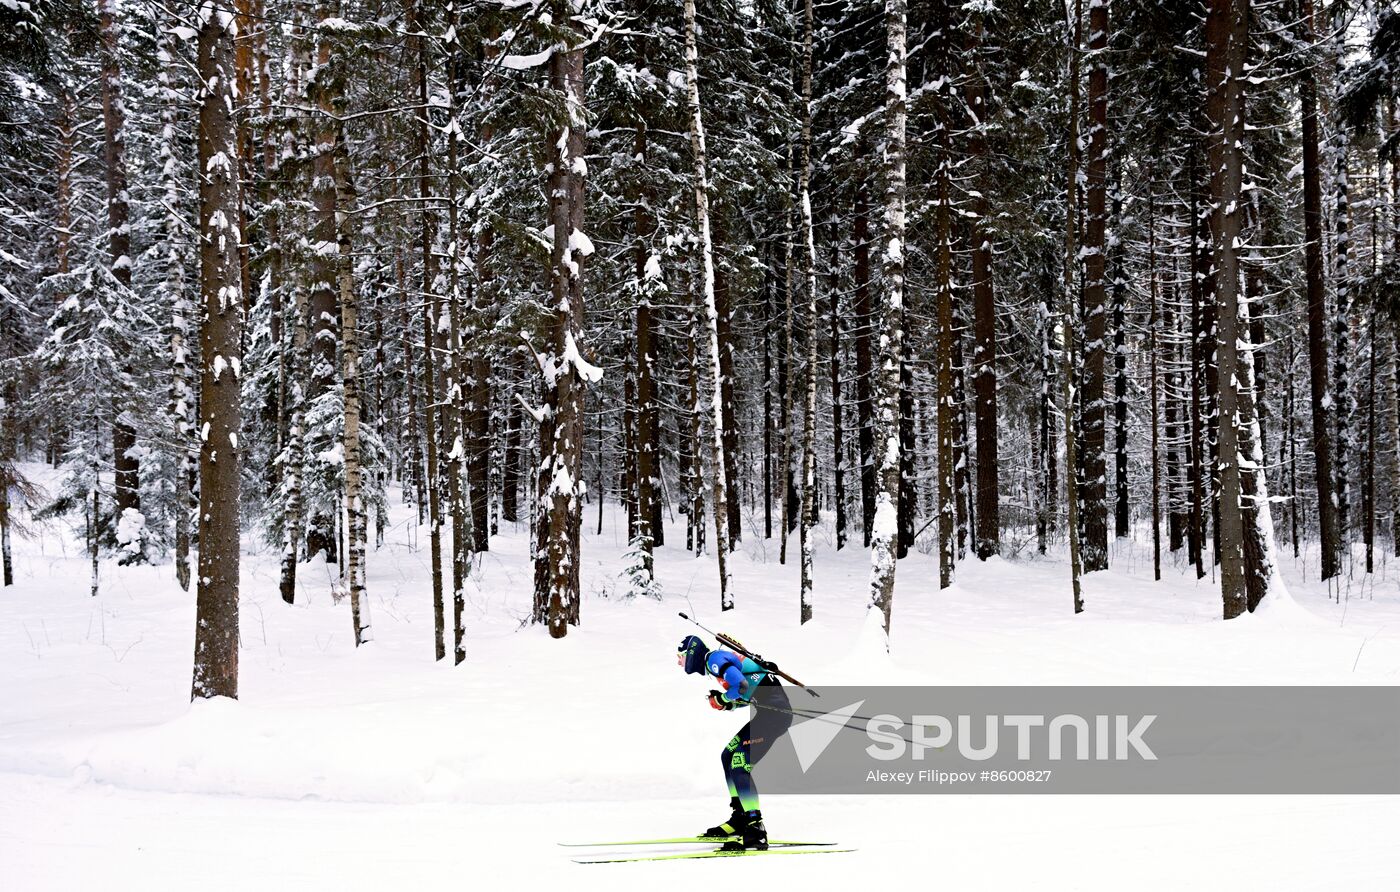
{"type": "Point", "coordinates": [580, 243]}
{"type": "Point", "coordinates": [378, 768]}
{"type": "Point", "coordinates": [590, 373]}
{"type": "Point", "coordinates": [523, 62]}
{"type": "Point", "coordinates": [131, 529]}
{"type": "Point", "coordinates": [652, 271]}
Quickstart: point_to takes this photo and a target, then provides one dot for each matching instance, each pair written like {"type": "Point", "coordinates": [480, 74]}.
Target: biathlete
{"type": "Point", "coordinates": [744, 681]}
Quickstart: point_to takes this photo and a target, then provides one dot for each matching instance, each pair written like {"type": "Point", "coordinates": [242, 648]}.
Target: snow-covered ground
{"type": "Point", "coordinates": [382, 769]}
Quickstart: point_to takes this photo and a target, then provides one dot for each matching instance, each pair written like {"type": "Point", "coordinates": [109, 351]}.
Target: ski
{"type": "Point", "coordinates": [712, 854]}
{"type": "Point", "coordinates": [686, 840]}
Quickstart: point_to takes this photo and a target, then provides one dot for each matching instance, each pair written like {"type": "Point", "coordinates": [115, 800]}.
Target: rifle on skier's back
{"type": "Point", "coordinates": [738, 648]}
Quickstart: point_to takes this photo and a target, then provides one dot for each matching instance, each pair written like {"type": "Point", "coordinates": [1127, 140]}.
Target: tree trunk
{"type": "Point", "coordinates": [1120, 374]}
{"type": "Point", "coordinates": [1291, 437]}
{"type": "Point", "coordinates": [838, 440]}
{"type": "Point", "coordinates": [510, 453]}
{"type": "Point", "coordinates": [561, 497]}
{"type": "Point", "coordinates": [1322, 399]}
{"type": "Point", "coordinates": [694, 448]}
{"type": "Point", "coordinates": [1175, 411]}
{"type": "Point", "coordinates": [456, 414]}
{"type": "Point", "coordinates": [943, 343]}
{"type": "Point", "coordinates": [724, 318]}
{"type": "Point", "coordinates": [1196, 443]}
{"type": "Point", "coordinates": [1095, 554]}
{"type": "Point", "coordinates": [294, 512]}
{"type": "Point", "coordinates": [1368, 489]}
{"type": "Point", "coordinates": [962, 475]}
{"type": "Point", "coordinates": [1153, 395]}
{"type": "Point", "coordinates": [355, 517]}
{"type": "Point", "coordinates": [325, 309]}
{"type": "Point", "coordinates": [908, 451]}
{"type": "Point", "coordinates": [216, 624]}
{"type": "Point", "coordinates": [7, 457]}
{"type": "Point", "coordinates": [707, 281]}
{"type": "Point", "coordinates": [787, 377]}
{"type": "Point", "coordinates": [1047, 485]}
{"type": "Point", "coordinates": [809, 280]}
{"type": "Point", "coordinates": [173, 248]}
{"type": "Point", "coordinates": [128, 466]}
{"type": "Point", "coordinates": [884, 529]}
{"type": "Point", "coordinates": [1343, 401]}
{"type": "Point", "coordinates": [1225, 109]}
{"type": "Point", "coordinates": [1394, 400]}
{"type": "Point", "coordinates": [431, 319]}
{"type": "Point", "coordinates": [862, 323]}
{"type": "Point", "coordinates": [984, 319]}
{"type": "Point", "coordinates": [769, 383]}
{"type": "Point", "coordinates": [411, 465]}
{"type": "Point", "coordinates": [1067, 326]}
{"type": "Point", "coordinates": [650, 284]}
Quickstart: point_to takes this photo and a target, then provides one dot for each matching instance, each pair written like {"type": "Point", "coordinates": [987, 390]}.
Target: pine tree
{"type": "Point", "coordinates": [809, 281]}
{"type": "Point", "coordinates": [1322, 399]}
{"type": "Point", "coordinates": [884, 528]}
{"type": "Point", "coordinates": [707, 289]}
{"type": "Point", "coordinates": [216, 625]}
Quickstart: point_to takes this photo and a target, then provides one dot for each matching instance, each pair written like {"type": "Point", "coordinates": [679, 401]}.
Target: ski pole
{"type": "Point", "coordinates": [826, 718]}
{"type": "Point", "coordinates": [739, 648]}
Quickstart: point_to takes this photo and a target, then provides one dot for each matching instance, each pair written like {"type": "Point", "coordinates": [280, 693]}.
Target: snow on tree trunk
{"type": "Point", "coordinates": [455, 404]}
{"type": "Point", "coordinates": [1344, 400]}
{"type": "Point", "coordinates": [1154, 397]}
{"type": "Point", "coordinates": [216, 624]}
{"type": "Point", "coordinates": [649, 285]}
{"type": "Point", "coordinates": [128, 466]}
{"type": "Point", "coordinates": [884, 529]}
{"type": "Point", "coordinates": [428, 317]}
{"type": "Point", "coordinates": [323, 87]}
{"type": "Point", "coordinates": [865, 369]}
{"type": "Point", "coordinates": [1067, 316]}
{"type": "Point", "coordinates": [1119, 285]}
{"type": "Point", "coordinates": [1322, 398]}
{"type": "Point", "coordinates": [1092, 402]}
{"type": "Point", "coordinates": [943, 345]}
{"type": "Point", "coordinates": [984, 319]}
{"type": "Point", "coordinates": [809, 282]}
{"type": "Point", "coordinates": [720, 486]}
{"type": "Point", "coordinates": [566, 370]}
{"type": "Point", "coordinates": [1198, 329]}
{"type": "Point", "coordinates": [174, 249]}
{"type": "Point", "coordinates": [1047, 484]}
{"type": "Point", "coordinates": [838, 439]}
{"type": "Point", "coordinates": [787, 376]}
{"type": "Point", "coordinates": [7, 456]}
{"type": "Point", "coordinates": [294, 454]}
{"type": "Point", "coordinates": [1225, 53]}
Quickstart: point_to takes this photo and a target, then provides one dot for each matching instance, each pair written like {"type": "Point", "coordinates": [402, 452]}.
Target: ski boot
{"type": "Point", "coordinates": [738, 820]}
{"type": "Point", "coordinates": [752, 837]}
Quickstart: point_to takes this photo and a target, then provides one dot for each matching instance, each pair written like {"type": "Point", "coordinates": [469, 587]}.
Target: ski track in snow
{"type": "Point", "coordinates": [381, 769]}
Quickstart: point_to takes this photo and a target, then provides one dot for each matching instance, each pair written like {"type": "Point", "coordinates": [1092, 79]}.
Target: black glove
{"type": "Point", "coordinates": [717, 701]}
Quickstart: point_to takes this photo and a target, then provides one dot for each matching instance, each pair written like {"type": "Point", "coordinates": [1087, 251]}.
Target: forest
{"type": "Point", "coordinates": [937, 281]}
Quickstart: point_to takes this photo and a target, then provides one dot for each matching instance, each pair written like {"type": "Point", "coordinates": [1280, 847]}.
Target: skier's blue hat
{"type": "Point", "coordinates": [693, 652]}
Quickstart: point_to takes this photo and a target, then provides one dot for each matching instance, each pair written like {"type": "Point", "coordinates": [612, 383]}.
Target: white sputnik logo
{"type": "Point", "coordinates": [811, 738]}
